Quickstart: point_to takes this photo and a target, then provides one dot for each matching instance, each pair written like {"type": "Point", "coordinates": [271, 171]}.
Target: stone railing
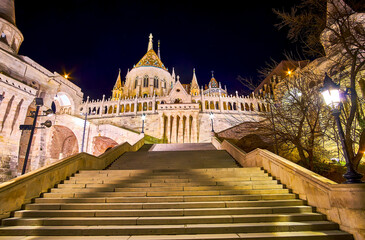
{"type": "Point", "coordinates": [341, 203]}
{"type": "Point", "coordinates": [21, 190]}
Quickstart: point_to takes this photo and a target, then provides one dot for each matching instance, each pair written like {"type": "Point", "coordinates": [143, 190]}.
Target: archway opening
{"type": "Point", "coordinates": [102, 144]}
{"type": "Point", "coordinates": [64, 142]}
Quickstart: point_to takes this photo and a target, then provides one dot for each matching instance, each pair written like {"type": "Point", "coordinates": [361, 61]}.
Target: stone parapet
{"type": "Point", "coordinates": [21, 190]}
{"type": "Point", "coordinates": [341, 203]}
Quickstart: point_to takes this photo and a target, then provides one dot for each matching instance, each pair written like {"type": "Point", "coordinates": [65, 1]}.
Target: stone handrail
{"type": "Point", "coordinates": [341, 203]}
{"type": "Point", "coordinates": [21, 190]}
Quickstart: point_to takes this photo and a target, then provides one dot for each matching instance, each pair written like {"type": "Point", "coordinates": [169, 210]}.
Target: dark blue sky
{"type": "Point", "coordinates": [93, 39]}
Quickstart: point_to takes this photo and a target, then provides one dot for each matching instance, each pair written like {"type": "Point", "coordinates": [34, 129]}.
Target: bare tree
{"type": "Point", "coordinates": [334, 30]}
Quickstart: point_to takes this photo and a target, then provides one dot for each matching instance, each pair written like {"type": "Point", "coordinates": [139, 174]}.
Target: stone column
{"type": "Point", "coordinates": [180, 138]}
{"type": "Point", "coordinates": [118, 107]}
{"type": "Point", "coordinates": [168, 132]}
{"type": "Point", "coordinates": [135, 106]}
{"type": "Point", "coordinates": [193, 130]}
{"type": "Point", "coordinates": [189, 130]}
{"type": "Point", "coordinates": [161, 124]}
{"type": "Point", "coordinates": [173, 129]}
{"type": "Point", "coordinates": [186, 130]}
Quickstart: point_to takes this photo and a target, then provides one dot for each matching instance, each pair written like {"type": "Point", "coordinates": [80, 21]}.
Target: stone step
{"type": "Point", "coordinates": [178, 176]}
{"type": "Point", "coordinates": [146, 184]}
{"type": "Point", "coordinates": [89, 221]}
{"type": "Point", "coordinates": [172, 171]}
{"type": "Point", "coordinates": [171, 174]}
{"type": "Point", "coordinates": [163, 212]}
{"type": "Point", "coordinates": [162, 205]}
{"type": "Point", "coordinates": [164, 188]}
{"type": "Point", "coordinates": [123, 193]}
{"type": "Point", "coordinates": [168, 229]}
{"type": "Point", "coordinates": [161, 180]}
{"type": "Point", "coordinates": [298, 235]}
{"type": "Point", "coordinates": [168, 199]}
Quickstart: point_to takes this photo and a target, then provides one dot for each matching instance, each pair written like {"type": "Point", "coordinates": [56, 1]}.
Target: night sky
{"type": "Point", "coordinates": [91, 40]}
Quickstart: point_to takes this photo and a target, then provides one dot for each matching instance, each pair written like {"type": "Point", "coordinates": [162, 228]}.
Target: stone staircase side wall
{"type": "Point", "coordinates": [342, 203]}
{"type": "Point", "coordinates": [21, 190]}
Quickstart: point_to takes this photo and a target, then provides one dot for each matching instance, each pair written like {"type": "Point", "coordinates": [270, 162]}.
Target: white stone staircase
{"type": "Point", "coordinates": [170, 203]}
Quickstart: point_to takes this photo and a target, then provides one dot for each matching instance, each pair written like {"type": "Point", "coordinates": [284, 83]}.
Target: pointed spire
{"type": "Point", "coordinates": [194, 86]}
{"type": "Point", "coordinates": [173, 74]}
{"type": "Point", "coordinates": [194, 80]}
{"type": "Point", "coordinates": [118, 83]}
{"type": "Point", "coordinates": [150, 43]}
{"type": "Point", "coordinates": [158, 52]}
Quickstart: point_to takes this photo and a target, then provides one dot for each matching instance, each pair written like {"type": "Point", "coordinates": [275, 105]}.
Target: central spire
{"type": "Point", "coordinates": [150, 43]}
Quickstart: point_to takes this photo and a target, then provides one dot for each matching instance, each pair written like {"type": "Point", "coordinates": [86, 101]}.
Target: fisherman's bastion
{"type": "Point", "coordinates": [149, 95]}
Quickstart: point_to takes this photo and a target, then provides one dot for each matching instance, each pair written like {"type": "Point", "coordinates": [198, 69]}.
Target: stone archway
{"type": "Point", "coordinates": [64, 142]}
{"type": "Point", "coordinates": [101, 144]}
{"type": "Point", "coordinates": [63, 103]}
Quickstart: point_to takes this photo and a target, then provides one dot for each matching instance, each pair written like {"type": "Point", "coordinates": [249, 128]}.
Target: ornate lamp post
{"type": "Point", "coordinates": [211, 116]}
{"type": "Point", "coordinates": [48, 123]}
{"type": "Point", "coordinates": [331, 95]}
{"type": "Point", "coordinates": [143, 118]}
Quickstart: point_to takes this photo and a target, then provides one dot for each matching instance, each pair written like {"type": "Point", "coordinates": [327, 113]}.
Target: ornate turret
{"type": "Point", "coordinates": [118, 88]}
{"type": "Point", "coordinates": [10, 36]}
{"type": "Point", "coordinates": [194, 86]}
{"type": "Point", "coordinates": [214, 88]}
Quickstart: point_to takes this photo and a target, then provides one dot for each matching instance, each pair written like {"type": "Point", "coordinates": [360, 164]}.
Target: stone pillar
{"type": "Point", "coordinates": [173, 129]}
{"type": "Point", "coordinates": [161, 124]}
{"type": "Point", "coordinates": [118, 107]}
{"type": "Point", "coordinates": [180, 138]}
{"type": "Point", "coordinates": [135, 106]}
{"type": "Point", "coordinates": [186, 130]}
{"type": "Point", "coordinates": [154, 102]}
{"type": "Point", "coordinates": [168, 132]}
{"type": "Point", "coordinates": [193, 130]}
{"type": "Point", "coordinates": [188, 127]}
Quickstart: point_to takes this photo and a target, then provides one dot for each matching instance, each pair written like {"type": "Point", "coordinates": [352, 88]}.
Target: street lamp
{"type": "Point", "coordinates": [211, 116]}
{"type": "Point", "coordinates": [331, 94]}
{"type": "Point", "coordinates": [34, 115]}
{"type": "Point", "coordinates": [143, 118]}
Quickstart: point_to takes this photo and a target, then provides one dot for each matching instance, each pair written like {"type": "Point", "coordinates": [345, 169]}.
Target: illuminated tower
{"type": "Point", "coordinates": [194, 86]}
{"type": "Point", "coordinates": [10, 36]}
{"type": "Point", "coordinates": [117, 91]}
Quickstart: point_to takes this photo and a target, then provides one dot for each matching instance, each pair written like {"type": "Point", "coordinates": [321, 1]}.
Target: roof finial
{"type": "Point", "coordinates": [212, 74]}
{"type": "Point", "coordinates": [150, 45]}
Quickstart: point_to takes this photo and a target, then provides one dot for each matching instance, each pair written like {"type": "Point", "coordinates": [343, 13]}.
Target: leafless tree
{"type": "Point", "coordinates": [335, 30]}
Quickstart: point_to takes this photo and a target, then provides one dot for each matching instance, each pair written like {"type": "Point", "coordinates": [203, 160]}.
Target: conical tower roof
{"type": "Point", "coordinates": [150, 59]}
{"type": "Point", "coordinates": [118, 84]}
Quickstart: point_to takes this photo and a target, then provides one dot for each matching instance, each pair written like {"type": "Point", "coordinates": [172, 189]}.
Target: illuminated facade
{"type": "Point", "coordinates": [176, 112]}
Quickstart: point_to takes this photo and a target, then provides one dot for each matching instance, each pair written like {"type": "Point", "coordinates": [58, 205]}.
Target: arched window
{"type": "Point", "coordinates": [136, 82]}
{"type": "Point", "coordinates": [145, 81]}
{"type": "Point", "coordinates": [155, 82]}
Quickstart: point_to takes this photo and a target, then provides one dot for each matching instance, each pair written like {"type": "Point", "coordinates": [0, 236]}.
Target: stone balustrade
{"type": "Point", "coordinates": [21, 190]}
{"type": "Point", "coordinates": [150, 105]}
{"type": "Point", "coordinates": [341, 203]}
